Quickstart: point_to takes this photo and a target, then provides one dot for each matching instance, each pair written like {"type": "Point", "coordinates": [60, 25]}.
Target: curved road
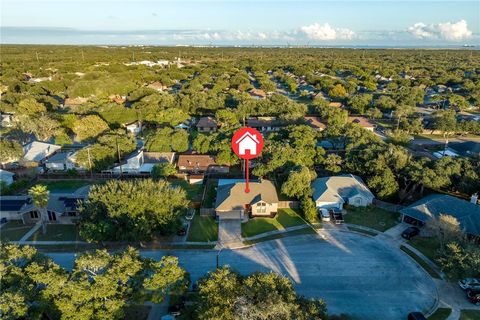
{"type": "Point", "coordinates": [355, 274]}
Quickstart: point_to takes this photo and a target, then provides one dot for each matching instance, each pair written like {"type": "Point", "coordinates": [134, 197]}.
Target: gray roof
{"type": "Point", "coordinates": [232, 196]}
{"type": "Point", "coordinates": [466, 148]}
{"type": "Point", "coordinates": [467, 213]}
{"type": "Point", "coordinates": [60, 157]}
{"type": "Point", "coordinates": [58, 202]}
{"type": "Point", "coordinates": [339, 188]}
{"type": "Point", "coordinates": [37, 150]}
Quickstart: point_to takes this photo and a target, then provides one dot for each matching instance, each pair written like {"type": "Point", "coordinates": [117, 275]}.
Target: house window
{"type": "Point", "coordinates": [52, 216]}
{"type": "Point", "coordinates": [34, 214]}
{"type": "Point", "coordinates": [261, 207]}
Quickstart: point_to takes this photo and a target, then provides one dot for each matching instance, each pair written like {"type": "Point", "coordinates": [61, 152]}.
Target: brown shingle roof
{"type": "Point", "coordinates": [232, 196]}
{"type": "Point", "coordinates": [364, 122]}
{"type": "Point", "coordinates": [195, 162]}
{"type": "Point", "coordinates": [315, 123]}
{"type": "Point", "coordinates": [206, 122]}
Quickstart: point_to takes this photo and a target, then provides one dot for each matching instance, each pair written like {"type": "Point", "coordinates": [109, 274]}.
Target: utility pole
{"type": "Point", "coordinates": [118, 153]}
{"type": "Point", "coordinates": [90, 162]}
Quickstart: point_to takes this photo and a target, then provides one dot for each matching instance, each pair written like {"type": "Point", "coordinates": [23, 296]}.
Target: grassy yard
{"type": "Point", "coordinates": [281, 235]}
{"type": "Point", "coordinates": [58, 186]}
{"type": "Point", "coordinates": [285, 218]}
{"type": "Point", "coordinates": [470, 315]}
{"type": "Point", "coordinates": [373, 217]}
{"type": "Point", "coordinates": [14, 230]}
{"type": "Point", "coordinates": [440, 314]}
{"type": "Point", "coordinates": [203, 229]}
{"type": "Point", "coordinates": [57, 232]}
{"type": "Point", "coordinates": [194, 191]}
{"type": "Point", "coordinates": [427, 246]}
{"type": "Point", "coordinates": [420, 261]}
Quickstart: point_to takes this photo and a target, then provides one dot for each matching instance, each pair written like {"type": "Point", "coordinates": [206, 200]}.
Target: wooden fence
{"type": "Point", "coordinates": [288, 204]}
{"type": "Point", "coordinates": [207, 211]}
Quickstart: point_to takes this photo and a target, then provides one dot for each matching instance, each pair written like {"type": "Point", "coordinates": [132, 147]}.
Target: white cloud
{"type": "Point", "coordinates": [452, 31]}
{"type": "Point", "coordinates": [317, 31]}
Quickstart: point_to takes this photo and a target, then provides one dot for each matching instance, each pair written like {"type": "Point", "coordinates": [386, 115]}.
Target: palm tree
{"type": "Point", "coordinates": [40, 194]}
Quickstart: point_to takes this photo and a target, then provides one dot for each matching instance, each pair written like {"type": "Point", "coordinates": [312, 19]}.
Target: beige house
{"type": "Point", "coordinates": [234, 203]}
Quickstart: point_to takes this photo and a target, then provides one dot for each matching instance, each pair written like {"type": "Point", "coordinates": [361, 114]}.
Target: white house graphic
{"type": "Point", "coordinates": [247, 142]}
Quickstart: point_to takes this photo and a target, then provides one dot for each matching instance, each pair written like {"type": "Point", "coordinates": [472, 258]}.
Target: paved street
{"type": "Point", "coordinates": [355, 274]}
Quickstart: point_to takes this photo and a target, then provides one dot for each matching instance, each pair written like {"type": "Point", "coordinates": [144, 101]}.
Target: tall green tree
{"type": "Point", "coordinates": [40, 195]}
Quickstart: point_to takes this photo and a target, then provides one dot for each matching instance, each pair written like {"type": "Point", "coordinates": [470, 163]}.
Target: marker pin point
{"type": "Point", "coordinates": [247, 143]}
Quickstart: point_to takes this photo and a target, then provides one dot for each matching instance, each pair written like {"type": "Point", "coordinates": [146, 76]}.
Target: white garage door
{"type": "Point", "coordinates": [230, 215]}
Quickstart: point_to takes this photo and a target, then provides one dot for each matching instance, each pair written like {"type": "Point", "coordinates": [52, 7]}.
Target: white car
{"type": "Point", "coordinates": [323, 213]}
{"type": "Point", "coordinates": [469, 284]}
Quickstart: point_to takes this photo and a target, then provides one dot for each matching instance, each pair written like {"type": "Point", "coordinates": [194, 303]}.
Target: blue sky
{"type": "Point", "coordinates": [401, 22]}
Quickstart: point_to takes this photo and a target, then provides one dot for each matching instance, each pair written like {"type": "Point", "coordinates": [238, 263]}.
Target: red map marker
{"type": "Point", "coordinates": [247, 143]}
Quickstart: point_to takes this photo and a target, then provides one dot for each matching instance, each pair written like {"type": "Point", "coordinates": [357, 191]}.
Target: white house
{"type": "Point", "coordinates": [333, 192]}
{"type": "Point", "coordinates": [134, 127]}
{"type": "Point", "coordinates": [247, 142]}
{"type": "Point", "coordinates": [37, 151]}
{"type": "Point", "coordinates": [63, 161]}
{"type": "Point", "coordinates": [6, 177]}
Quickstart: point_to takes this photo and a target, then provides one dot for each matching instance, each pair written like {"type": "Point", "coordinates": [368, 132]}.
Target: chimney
{"type": "Point", "coordinates": [474, 198]}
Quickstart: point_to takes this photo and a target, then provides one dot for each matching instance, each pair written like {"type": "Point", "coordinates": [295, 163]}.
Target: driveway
{"type": "Point", "coordinates": [229, 232]}
{"type": "Point", "coordinates": [355, 274]}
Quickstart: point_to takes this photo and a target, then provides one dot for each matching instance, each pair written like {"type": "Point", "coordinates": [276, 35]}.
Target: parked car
{"type": "Point", "coordinates": [324, 215]}
{"type": "Point", "coordinates": [474, 296]}
{"type": "Point", "coordinates": [182, 231]}
{"type": "Point", "coordinates": [469, 284]}
{"type": "Point", "coordinates": [410, 232]}
{"type": "Point", "coordinates": [416, 316]}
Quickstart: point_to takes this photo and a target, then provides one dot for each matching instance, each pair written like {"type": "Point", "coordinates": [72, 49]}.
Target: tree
{"type": "Point", "coordinates": [374, 113]}
{"type": "Point", "coordinates": [40, 194]}
{"type": "Point", "coordinates": [309, 209]}
{"type": "Point", "coordinates": [162, 170]}
{"type": "Point", "coordinates": [333, 163]}
{"type": "Point", "coordinates": [461, 261]}
{"type": "Point", "coordinates": [298, 183]}
{"type": "Point", "coordinates": [31, 107]}
{"type": "Point", "coordinates": [131, 210]}
{"type": "Point", "coordinates": [446, 122]}
{"type": "Point", "coordinates": [338, 92]}
{"type": "Point", "coordinates": [384, 184]}
{"type": "Point", "coordinates": [359, 103]}
{"type": "Point", "coordinates": [89, 127]}
{"type": "Point", "coordinates": [445, 228]}
{"type": "Point", "coordinates": [225, 294]}
{"type": "Point", "coordinates": [179, 140]}
{"type": "Point", "coordinates": [385, 103]}
{"type": "Point", "coordinates": [10, 151]}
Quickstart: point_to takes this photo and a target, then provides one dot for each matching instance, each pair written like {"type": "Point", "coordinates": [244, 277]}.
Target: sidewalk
{"type": "Point", "coordinates": [27, 235]}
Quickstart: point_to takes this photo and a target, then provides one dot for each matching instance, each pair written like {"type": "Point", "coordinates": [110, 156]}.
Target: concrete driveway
{"type": "Point", "coordinates": [355, 274]}
{"type": "Point", "coordinates": [229, 232]}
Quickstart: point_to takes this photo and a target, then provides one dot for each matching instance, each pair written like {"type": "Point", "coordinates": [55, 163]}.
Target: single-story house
{"type": "Point", "coordinates": [118, 99]}
{"type": "Point", "coordinates": [6, 177]}
{"type": "Point", "coordinates": [265, 124]}
{"type": "Point", "coordinates": [6, 120]}
{"type": "Point", "coordinates": [38, 151]}
{"type": "Point", "coordinates": [157, 85]}
{"type": "Point", "coordinates": [139, 162]}
{"type": "Point", "coordinates": [207, 124]}
{"type": "Point", "coordinates": [333, 192]}
{"type": "Point", "coordinates": [199, 163]}
{"type": "Point", "coordinates": [335, 104]}
{"type": "Point", "coordinates": [257, 93]}
{"type": "Point", "coordinates": [467, 213]}
{"type": "Point", "coordinates": [71, 102]}
{"type": "Point", "coordinates": [62, 161]}
{"type": "Point", "coordinates": [134, 127]}
{"type": "Point", "coordinates": [363, 122]}
{"type": "Point", "coordinates": [233, 202]}
{"type": "Point", "coordinates": [61, 208]}
{"type": "Point", "coordinates": [315, 123]}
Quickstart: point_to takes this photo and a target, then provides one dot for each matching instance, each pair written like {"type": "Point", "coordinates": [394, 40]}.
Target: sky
{"type": "Point", "coordinates": [247, 22]}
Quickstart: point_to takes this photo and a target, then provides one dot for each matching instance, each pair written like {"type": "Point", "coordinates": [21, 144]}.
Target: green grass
{"type": "Point", "coordinates": [369, 233]}
{"type": "Point", "coordinates": [440, 314]}
{"type": "Point", "coordinates": [194, 191]}
{"type": "Point", "coordinates": [420, 261]}
{"type": "Point", "coordinates": [372, 217]}
{"type": "Point", "coordinates": [470, 315]}
{"type": "Point", "coordinates": [203, 229]}
{"type": "Point", "coordinates": [210, 194]}
{"type": "Point", "coordinates": [14, 230]}
{"type": "Point", "coordinates": [281, 235]}
{"type": "Point", "coordinates": [284, 219]}
{"type": "Point", "coordinates": [57, 232]}
{"type": "Point", "coordinates": [64, 185]}
{"type": "Point", "coordinates": [427, 246]}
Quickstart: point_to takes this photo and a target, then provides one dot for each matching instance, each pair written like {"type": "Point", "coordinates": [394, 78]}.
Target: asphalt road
{"type": "Point", "coordinates": [355, 274]}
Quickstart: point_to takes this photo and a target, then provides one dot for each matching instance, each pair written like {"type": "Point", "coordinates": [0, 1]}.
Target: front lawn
{"type": "Point", "coordinates": [372, 217]}
{"type": "Point", "coordinates": [427, 246]}
{"type": "Point", "coordinates": [284, 219]}
{"type": "Point", "coordinates": [194, 191]}
{"type": "Point", "coordinates": [440, 314]}
{"type": "Point", "coordinates": [64, 186]}
{"type": "Point", "coordinates": [470, 315]}
{"type": "Point", "coordinates": [14, 230]}
{"type": "Point", "coordinates": [203, 229]}
{"type": "Point", "coordinates": [57, 232]}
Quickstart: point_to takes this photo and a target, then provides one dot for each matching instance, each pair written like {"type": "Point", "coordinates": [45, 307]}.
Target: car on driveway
{"type": "Point", "coordinates": [323, 213]}
{"type": "Point", "coordinates": [474, 296]}
{"type": "Point", "coordinates": [469, 284]}
{"type": "Point", "coordinates": [410, 232]}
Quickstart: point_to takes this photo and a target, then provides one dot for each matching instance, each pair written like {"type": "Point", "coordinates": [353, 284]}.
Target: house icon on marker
{"type": "Point", "coordinates": [247, 142]}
